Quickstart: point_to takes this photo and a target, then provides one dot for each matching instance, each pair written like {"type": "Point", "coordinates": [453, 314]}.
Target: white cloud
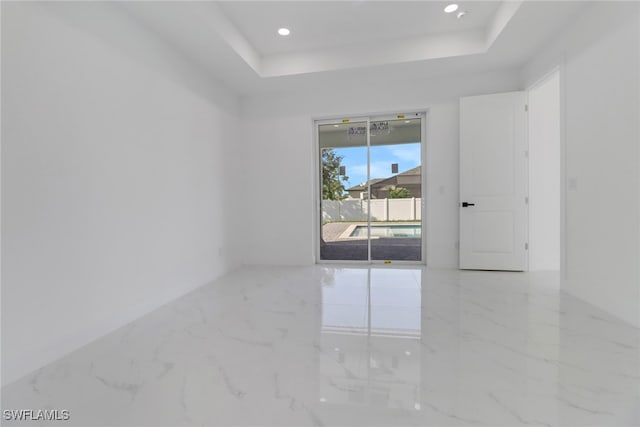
{"type": "Point", "coordinates": [407, 153]}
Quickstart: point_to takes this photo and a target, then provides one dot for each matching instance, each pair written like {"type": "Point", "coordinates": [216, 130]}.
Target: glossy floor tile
{"type": "Point", "coordinates": [321, 346]}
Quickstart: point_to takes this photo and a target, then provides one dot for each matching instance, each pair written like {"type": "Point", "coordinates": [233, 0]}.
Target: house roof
{"type": "Point", "coordinates": [415, 171]}
{"type": "Point", "coordinates": [411, 172]}
{"type": "Point", "coordinates": [363, 186]}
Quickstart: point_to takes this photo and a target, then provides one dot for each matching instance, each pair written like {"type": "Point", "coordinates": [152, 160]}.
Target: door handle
{"type": "Point", "coordinates": [466, 204]}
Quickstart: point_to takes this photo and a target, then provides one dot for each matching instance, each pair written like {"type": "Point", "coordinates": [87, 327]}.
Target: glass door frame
{"type": "Point", "coordinates": [317, 187]}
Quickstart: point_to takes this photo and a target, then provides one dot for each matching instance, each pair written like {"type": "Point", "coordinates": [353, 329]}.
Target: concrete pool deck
{"type": "Point", "coordinates": [336, 247]}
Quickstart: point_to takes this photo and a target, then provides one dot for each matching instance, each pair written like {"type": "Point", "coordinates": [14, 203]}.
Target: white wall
{"type": "Point", "coordinates": [279, 158]}
{"type": "Point", "coordinates": [600, 71]}
{"type": "Point", "coordinates": [116, 155]}
{"type": "Point", "coordinates": [544, 174]}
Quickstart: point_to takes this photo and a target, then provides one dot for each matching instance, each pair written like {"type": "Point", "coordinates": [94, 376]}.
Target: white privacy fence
{"type": "Point", "coordinates": [381, 210]}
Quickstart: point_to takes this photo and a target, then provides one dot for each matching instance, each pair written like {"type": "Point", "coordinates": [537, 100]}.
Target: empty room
{"type": "Point", "coordinates": [320, 213]}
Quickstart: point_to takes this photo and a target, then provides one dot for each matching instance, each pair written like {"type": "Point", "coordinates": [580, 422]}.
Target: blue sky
{"type": "Point", "coordinates": [355, 159]}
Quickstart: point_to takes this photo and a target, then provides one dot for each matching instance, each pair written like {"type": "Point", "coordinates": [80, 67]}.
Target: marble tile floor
{"type": "Point", "coordinates": [325, 346]}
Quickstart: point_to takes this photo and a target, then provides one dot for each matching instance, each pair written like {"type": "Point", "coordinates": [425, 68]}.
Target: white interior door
{"type": "Point", "coordinates": [493, 182]}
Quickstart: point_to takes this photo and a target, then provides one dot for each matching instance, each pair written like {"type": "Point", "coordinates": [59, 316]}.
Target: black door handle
{"type": "Point", "coordinates": [466, 205]}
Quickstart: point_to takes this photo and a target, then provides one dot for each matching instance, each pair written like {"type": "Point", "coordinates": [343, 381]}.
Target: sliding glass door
{"type": "Point", "coordinates": [371, 188]}
{"type": "Point", "coordinates": [343, 217]}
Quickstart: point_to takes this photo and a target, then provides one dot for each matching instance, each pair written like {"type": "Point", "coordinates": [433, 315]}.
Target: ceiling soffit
{"type": "Point", "coordinates": [363, 54]}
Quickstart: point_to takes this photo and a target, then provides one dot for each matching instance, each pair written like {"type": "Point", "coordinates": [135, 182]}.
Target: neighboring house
{"type": "Point", "coordinates": [360, 191]}
{"type": "Point", "coordinates": [411, 180]}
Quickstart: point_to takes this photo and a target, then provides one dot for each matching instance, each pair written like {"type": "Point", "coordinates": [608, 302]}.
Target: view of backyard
{"type": "Point", "coordinates": [380, 183]}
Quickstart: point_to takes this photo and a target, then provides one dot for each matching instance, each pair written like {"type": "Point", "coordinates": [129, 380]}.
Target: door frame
{"type": "Point", "coordinates": [558, 68]}
{"type": "Point", "coordinates": [317, 179]}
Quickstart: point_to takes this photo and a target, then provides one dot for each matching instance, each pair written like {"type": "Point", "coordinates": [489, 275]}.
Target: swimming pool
{"type": "Point", "coordinates": [389, 231]}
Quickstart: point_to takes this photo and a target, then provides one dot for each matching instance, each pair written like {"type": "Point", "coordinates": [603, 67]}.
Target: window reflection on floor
{"type": "Point", "coordinates": [371, 321]}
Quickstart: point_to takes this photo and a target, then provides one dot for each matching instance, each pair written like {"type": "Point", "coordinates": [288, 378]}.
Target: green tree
{"type": "Point", "coordinates": [399, 193]}
{"type": "Point", "coordinates": [332, 187]}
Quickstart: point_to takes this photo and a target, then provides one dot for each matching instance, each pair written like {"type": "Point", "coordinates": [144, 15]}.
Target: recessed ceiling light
{"type": "Point", "coordinates": [285, 31]}
{"type": "Point", "coordinates": [461, 14]}
{"type": "Point", "coordinates": [407, 121]}
{"type": "Point", "coordinates": [451, 8]}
